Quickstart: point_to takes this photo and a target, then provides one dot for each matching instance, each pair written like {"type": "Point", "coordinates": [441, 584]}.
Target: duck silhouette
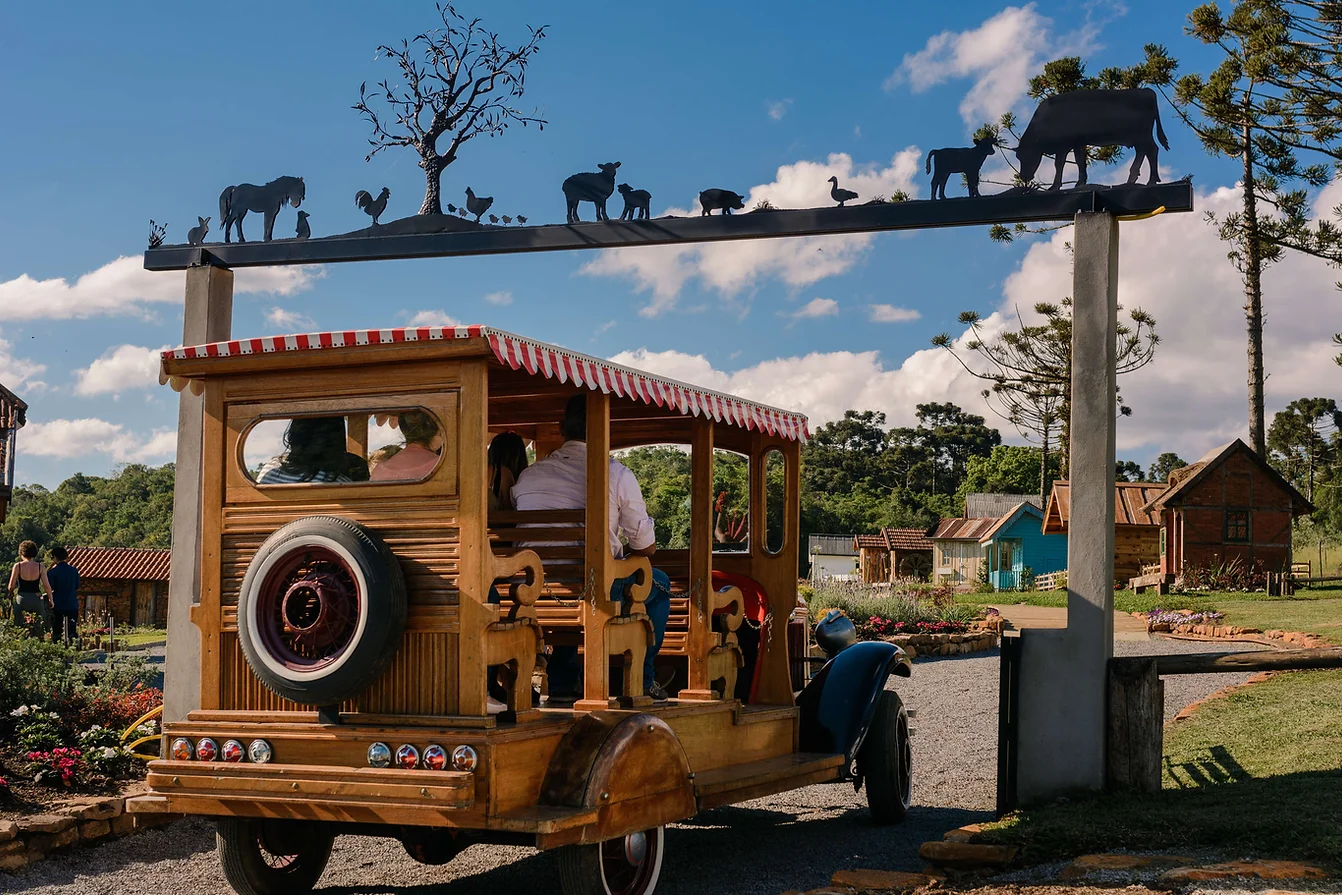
{"type": "Point", "coordinates": [839, 194]}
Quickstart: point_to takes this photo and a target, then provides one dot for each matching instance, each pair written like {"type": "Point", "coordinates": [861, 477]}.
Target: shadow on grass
{"type": "Point", "coordinates": [1285, 816]}
{"type": "Point", "coordinates": [1218, 766]}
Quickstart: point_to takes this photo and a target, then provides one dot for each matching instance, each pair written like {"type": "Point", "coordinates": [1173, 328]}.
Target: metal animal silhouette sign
{"type": "Point", "coordinates": [236, 201]}
{"type": "Point", "coordinates": [968, 161]}
{"type": "Point", "coordinates": [590, 187]}
{"type": "Point", "coordinates": [1072, 122]}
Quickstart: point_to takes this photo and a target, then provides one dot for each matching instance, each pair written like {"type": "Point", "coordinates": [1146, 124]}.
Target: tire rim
{"type": "Point", "coordinates": [905, 763]}
{"type": "Point", "coordinates": [629, 863]}
{"type": "Point", "coordinates": [308, 609]}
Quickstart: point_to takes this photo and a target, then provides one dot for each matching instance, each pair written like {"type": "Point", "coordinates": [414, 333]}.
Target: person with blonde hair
{"type": "Point", "coordinates": [423, 447]}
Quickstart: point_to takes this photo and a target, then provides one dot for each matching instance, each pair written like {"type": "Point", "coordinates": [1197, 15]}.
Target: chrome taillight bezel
{"type": "Point", "coordinates": [407, 757]}
{"type": "Point", "coordinates": [464, 758]}
{"type": "Point", "coordinates": [435, 758]}
{"type": "Point", "coordinates": [179, 744]}
{"type": "Point", "coordinates": [259, 752]}
{"type": "Point", "coordinates": [379, 755]}
{"type": "Point", "coordinates": [206, 749]}
{"type": "Point", "coordinates": [232, 751]}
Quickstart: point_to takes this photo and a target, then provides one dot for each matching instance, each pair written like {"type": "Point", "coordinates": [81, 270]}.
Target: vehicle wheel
{"type": "Point", "coordinates": [886, 761]}
{"type": "Point", "coordinates": [321, 610]}
{"type": "Point", "coordinates": [627, 865]}
{"type": "Point", "coordinates": [433, 847]}
{"type": "Point", "coordinates": [270, 857]}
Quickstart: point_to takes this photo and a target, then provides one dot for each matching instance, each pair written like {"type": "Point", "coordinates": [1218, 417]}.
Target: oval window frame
{"type": "Point", "coordinates": [783, 499]}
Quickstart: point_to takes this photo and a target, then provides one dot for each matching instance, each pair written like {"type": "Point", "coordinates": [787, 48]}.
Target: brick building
{"type": "Point", "coordinates": [131, 583]}
{"type": "Point", "coordinates": [1229, 504]}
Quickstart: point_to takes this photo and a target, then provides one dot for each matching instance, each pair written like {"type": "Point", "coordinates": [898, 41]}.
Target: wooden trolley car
{"type": "Point", "coordinates": [348, 634]}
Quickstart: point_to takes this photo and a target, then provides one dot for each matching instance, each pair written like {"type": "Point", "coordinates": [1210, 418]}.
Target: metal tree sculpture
{"type": "Point", "coordinates": [464, 86]}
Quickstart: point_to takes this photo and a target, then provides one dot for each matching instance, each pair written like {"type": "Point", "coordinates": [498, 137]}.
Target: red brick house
{"type": "Point", "coordinates": [131, 583]}
{"type": "Point", "coordinates": [1228, 504]}
{"type": "Point", "coordinates": [13, 414]}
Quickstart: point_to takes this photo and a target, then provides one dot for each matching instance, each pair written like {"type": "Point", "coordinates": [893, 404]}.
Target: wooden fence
{"type": "Point", "coordinates": [1051, 581]}
{"type": "Point", "coordinates": [1137, 703]}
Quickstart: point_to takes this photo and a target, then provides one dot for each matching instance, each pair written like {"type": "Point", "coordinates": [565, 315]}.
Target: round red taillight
{"type": "Point", "coordinates": [182, 749]}
{"type": "Point", "coordinates": [206, 749]}
{"type": "Point", "coordinates": [233, 751]}
{"type": "Point", "coordinates": [407, 757]}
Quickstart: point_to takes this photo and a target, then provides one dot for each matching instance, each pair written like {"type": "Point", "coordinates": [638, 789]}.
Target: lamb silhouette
{"type": "Point", "coordinates": [636, 203]}
{"type": "Point", "coordinates": [590, 187]}
{"type": "Point", "coordinates": [967, 161]}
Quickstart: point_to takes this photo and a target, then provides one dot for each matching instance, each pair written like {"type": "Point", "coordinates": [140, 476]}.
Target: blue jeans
{"type": "Point", "coordinates": [564, 670]}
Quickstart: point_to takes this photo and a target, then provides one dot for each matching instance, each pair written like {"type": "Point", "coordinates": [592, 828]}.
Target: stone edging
{"type": "Point", "coordinates": [31, 837]}
{"type": "Point", "coordinates": [944, 644]}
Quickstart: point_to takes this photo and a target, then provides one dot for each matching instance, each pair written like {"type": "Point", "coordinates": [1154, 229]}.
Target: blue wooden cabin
{"type": "Point", "coordinates": [1017, 542]}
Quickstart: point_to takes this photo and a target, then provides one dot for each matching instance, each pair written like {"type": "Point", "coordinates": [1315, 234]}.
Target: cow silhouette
{"type": "Point", "coordinates": [1071, 122]}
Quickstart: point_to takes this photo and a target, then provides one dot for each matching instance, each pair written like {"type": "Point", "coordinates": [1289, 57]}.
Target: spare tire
{"type": "Point", "coordinates": [322, 610]}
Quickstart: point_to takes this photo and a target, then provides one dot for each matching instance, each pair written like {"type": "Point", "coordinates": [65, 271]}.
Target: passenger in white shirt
{"type": "Point", "coordinates": [559, 482]}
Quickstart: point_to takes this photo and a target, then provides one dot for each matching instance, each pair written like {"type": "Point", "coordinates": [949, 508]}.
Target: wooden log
{"type": "Point", "coordinates": [1267, 660]}
{"type": "Point", "coordinates": [1136, 722]}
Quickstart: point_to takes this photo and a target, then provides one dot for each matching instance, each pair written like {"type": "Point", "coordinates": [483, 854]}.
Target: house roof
{"type": "Point", "coordinates": [870, 542]}
{"type": "Point", "coordinates": [121, 563]}
{"type": "Point", "coordinates": [1130, 499]}
{"type": "Point", "coordinates": [906, 539]}
{"type": "Point", "coordinates": [1020, 509]}
{"type": "Point", "coordinates": [516, 352]}
{"type": "Point", "coordinates": [13, 410]}
{"type": "Point", "coordinates": [1186, 478]}
{"type": "Point", "coordinates": [962, 529]}
{"type": "Point", "coordinates": [986, 504]}
{"type": "Point", "coordinates": [831, 545]}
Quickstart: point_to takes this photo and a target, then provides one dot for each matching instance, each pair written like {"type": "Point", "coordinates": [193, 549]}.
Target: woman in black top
{"type": "Point", "coordinates": [32, 592]}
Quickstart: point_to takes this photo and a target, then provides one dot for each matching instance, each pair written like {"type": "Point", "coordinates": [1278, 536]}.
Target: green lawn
{"type": "Point", "coordinates": [1124, 600]}
{"type": "Point", "coordinates": [136, 638]}
{"type": "Point", "coordinates": [1258, 773]}
{"type": "Point", "coordinates": [1320, 615]}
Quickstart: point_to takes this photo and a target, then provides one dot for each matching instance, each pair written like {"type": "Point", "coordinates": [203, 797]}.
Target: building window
{"type": "Point", "coordinates": [1163, 541]}
{"type": "Point", "coordinates": [1237, 526]}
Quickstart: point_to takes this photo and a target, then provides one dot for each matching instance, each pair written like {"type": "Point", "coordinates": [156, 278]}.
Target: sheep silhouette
{"type": "Point", "coordinates": [636, 203]}
{"type": "Point", "coordinates": [590, 187]}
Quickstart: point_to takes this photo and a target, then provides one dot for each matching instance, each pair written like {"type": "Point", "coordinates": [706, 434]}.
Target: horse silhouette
{"type": "Point", "coordinates": [236, 201]}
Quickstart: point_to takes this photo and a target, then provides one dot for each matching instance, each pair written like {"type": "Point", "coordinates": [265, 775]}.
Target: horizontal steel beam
{"type": "Point", "coordinates": [1027, 207]}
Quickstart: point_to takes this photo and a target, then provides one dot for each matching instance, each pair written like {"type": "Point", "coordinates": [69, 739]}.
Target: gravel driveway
{"type": "Point", "coordinates": [790, 841]}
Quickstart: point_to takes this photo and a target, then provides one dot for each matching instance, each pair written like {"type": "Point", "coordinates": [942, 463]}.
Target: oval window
{"type": "Point", "coordinates": [775, 501]}
{"type": "Point", "coordinates": [731, 502]}
{"type": "Point", "coordinates": [395, 445]}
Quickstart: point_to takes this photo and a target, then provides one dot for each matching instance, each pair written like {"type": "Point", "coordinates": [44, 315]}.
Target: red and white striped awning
{"type": "Point", "coordinates": [538, 359]}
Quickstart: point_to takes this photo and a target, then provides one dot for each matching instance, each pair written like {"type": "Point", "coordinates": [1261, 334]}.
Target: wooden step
{"type": "Point", "coordinates": [543, 819]}
{"type": "Point", "coordinates": [740, 782]}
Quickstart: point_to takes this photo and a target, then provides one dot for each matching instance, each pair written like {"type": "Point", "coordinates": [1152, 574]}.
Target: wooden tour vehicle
{"type": "Point", "coordinates": [346, 628]}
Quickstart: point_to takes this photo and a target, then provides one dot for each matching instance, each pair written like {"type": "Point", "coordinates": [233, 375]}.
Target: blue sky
{"type": "Point", "coordinates": [122, 113]}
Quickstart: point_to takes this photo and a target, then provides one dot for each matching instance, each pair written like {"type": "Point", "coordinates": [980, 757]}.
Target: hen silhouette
{"type": "Point", "coordinates": [477, 205]}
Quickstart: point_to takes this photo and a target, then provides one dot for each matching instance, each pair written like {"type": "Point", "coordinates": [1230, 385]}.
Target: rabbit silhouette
{"type": "Point", "coordinates": [196, 235]}
{"type": "Point", "coordinates": [304, 230]}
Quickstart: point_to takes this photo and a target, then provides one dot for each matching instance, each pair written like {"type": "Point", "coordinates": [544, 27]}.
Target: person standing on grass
{"type": "Point", "coordinates": [31, 590]}
{"type": "Point", "coordinates": [64, 579]}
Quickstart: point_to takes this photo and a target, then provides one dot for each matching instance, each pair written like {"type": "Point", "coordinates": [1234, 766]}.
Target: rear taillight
{"type": "Point", "coordinates": [464, 758]}
{"type": "Point", "coordinates": [435, 758]}
{"type": "Point", "coordinates": [206, 749]}
{"type": "Point", "coordinates": [407, 757]}
{"type": "Point", "coordinates": [259, 751]}
{"type": "Point", "coordinates": [182, 749]}
{"type": "Point", "coordinates": [379, 755]}
{"type": "Point", "coordinates": [233, 751]}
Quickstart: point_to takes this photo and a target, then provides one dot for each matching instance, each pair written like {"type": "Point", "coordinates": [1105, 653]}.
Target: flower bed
{"type": "Point", "coordinates": [923, 621]}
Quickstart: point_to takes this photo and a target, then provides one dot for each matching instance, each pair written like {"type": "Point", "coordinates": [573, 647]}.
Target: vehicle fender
{"type": "Point", "coordinates": [631, 768]}
{"type": "Point", "coordinates": [838, 704]}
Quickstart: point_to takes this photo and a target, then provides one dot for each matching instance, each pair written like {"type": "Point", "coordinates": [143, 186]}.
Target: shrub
{"type": "Point", "coordinates": [102, 750]}
{"type": "Point", "coordinates": [107, 707]}
{"type": "Point", "coordinates": [61, 765]}
{"type": "Point", "coordinates": [32, 671]}
{"type": "Point", "coordinates": [1224, 575]}
{"type": "Point", "coordinates": [36, 729]}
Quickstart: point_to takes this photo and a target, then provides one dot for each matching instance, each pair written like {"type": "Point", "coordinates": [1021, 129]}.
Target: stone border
{"type": "Point", "coordinates": [1276, 638]}
{"type": "Point", "coordinates": [31, 837]}
{"type": "Point", "coordinates": [970, 641]}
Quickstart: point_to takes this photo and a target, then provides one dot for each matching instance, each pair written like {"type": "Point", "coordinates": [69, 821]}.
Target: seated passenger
{"type": "Point", "coordinates": [507, 459]}
{"type": "Point", "coordinates": [314, 452]}
{"type": "Point", "coordinates": [559, 482]}
{"type": "Point", "coordinates": [423, 443]}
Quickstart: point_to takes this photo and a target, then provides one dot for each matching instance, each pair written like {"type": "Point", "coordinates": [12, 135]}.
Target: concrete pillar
{"type": "Point", "coordinates": [1064, 674]}
{"type": "Point", "coordinates": [208, 318]}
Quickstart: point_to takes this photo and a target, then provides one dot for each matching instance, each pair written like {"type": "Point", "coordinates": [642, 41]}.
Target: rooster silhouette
{"type": "Point", "coordinates": [371, 206]}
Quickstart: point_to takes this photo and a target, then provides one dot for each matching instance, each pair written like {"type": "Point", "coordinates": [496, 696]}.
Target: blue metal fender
{"type": "Point", "coordinates": [838, 704]}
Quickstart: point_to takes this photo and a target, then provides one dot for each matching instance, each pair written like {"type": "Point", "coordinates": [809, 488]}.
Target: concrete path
{"type": "Point", "coordinates": [1022, 616]}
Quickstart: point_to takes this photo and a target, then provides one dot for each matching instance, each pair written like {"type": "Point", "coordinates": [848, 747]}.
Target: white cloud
{"type": "Point", "coordinates": [730, 268]}
{"type": "Point", "coordinates": [123, 286]}
{"type": "Point", "coordinates": [290, 321]}
{"type": "Point", "coordinates": [17, 374]}
{"type": "Point", "coordinates": [1000, 56]}
{"type": "Point", "coordinates": [64, 439]}
{"type": "Point", "coordinates": [502, 298]}
{"type": "Point", "coordinates": [892, 314]}
{"type": "Point", "coordinates": [817, 307]}
{"type": "Point", "coordinates": [778, 108]}
{"type": "Point", "coordinates": [438, 317]}
{"type": "Point", "coordinates": [119, 369]}
{"type": "Point", "coordinates": [1192, 398]}
{"type": "Point", "coordinates": [605, 327]}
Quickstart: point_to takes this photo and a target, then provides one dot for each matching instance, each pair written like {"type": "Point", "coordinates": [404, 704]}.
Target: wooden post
{"type": "Point", "coordinates": [356, 436]}
{"type": "Point", "coordinates": [208, 318]}
{"type": "Point", "coordinates": [476, 561]}
{"type": "Point", "coordinates": [776, 572]}
{"type": "Point", "coordinates": [598, 608]}
{"type": "Point", "coordinates": [701, 560]}
{"type": "Point", "coordinates": [1136, 726]}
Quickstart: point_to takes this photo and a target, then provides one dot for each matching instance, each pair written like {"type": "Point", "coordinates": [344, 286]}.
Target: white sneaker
{"type": "Point", "coordinates": [494, 707]}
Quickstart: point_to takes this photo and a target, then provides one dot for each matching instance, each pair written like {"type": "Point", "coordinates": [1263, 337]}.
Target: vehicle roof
{"type": "Point", "coordinates": [515, 352]}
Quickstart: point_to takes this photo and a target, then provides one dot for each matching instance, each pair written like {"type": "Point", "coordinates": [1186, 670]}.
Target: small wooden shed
{"type": "Point", "coordinates": [13, 414]}
{"type": "Point", "coordinates": [873, 558]}
{"type": "Point", "coordinates": [1228, 505]}
{"type": "Point", "coordinates": [894, 553]}
{"type": "Point", "coordinates": [956, 551]}
{"type": "Point", "coordinates": [129, 582]}
{"type": "Point", "coordinates": [1136, 529]}
{"type": "Point", "coordinates": [1017, 543]}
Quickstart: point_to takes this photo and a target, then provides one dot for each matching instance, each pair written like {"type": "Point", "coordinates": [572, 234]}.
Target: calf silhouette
{"type": "Point", "coordinates": [636, 203]}
{"type": "Point", "coordinates": [967, 161]}
{"type": "Point", "coordinates": [590, 187]}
